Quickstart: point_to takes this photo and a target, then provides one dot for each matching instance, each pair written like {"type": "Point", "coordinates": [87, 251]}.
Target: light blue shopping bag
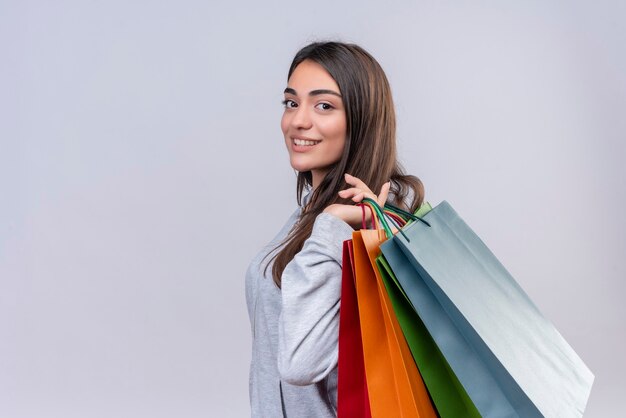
{"type": "Point", "coordinates": [510, 359]}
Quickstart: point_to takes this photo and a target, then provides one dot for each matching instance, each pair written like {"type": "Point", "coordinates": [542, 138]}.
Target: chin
{"type": "Point", "coordinates": [300, 169]}
{"type": "Point", "coordinates": [300, 166]}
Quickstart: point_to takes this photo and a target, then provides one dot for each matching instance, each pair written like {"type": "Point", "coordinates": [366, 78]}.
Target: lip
{"type": "Point", "coordinates": [303, 148]}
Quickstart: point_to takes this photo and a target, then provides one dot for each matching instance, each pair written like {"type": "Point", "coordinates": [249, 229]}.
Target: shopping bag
{"type": "Point", "coordinates": [509, 358]}
{"type": "Point", "coordinates": [395, 387]}
{"type": "Point", "coordinates": [352, 398]}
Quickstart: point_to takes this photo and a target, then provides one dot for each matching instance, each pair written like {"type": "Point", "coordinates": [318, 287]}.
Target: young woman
{"type": "Point", "coordinates": [339, 128]}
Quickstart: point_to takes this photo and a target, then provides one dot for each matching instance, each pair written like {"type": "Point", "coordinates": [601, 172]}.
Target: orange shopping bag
{"type": "Point", "coordinates": [394, 384]}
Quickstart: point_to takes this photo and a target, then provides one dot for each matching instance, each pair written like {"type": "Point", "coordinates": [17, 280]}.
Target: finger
{"type": "Point", "coordinates": [358, 197]}
{"type": "Point", "coordinates": [347, 193]}
{"type": "Point", "coordinates": [384, 192]}
{"type": "Point", "coordinates": [354, 181]}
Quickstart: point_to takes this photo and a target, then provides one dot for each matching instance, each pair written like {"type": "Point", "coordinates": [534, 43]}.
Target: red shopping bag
{"type": "Point", "coordinates": [352, 398]}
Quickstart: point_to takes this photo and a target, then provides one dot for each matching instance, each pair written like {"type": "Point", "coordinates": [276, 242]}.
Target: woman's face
{"type": "Point", "coordinates": [314, 121]}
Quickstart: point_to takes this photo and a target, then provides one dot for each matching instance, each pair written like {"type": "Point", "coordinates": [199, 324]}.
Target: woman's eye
{"type": "Point", "coordinates": [288, 103]}
{"type": "Point", "coordinates": [325, 106]}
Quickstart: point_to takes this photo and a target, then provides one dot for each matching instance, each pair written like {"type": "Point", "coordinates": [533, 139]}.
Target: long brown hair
{"type": "Point", "coordinates": [370, 147]}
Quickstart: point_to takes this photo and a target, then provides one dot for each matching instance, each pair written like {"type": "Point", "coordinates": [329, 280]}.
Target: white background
{"type": "Point", "coordinates": [142, 166]}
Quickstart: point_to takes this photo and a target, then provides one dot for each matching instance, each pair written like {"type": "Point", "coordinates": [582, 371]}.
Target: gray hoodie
{"type": "Point", "coordinates": [293, 372]}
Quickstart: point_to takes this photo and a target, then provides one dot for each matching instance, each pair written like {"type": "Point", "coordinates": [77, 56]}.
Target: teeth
{"type": "Point", "coordinates": [304, 142]}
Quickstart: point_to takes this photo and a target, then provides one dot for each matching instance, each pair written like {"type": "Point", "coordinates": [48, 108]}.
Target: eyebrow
{"type": "Point", "coordinates": [313, 92]}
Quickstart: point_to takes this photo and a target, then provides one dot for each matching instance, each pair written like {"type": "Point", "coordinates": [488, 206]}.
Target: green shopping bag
{"type": "Point", "coordinates": [446, 391]}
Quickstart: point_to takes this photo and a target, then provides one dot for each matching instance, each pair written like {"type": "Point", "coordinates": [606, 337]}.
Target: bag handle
{"type": "Point", "coordinates": [373, 222]}
{"type": "Point", "coordinates": [404, 213]}
{"type": "Point", "coordinates": [393, 214]}
{"type": "Point", "coordinates": [397, 220]}
{"type": "Point", "coordinates": [378, 215]}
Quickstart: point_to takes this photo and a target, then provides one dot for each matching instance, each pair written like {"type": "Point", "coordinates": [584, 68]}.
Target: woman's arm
{"type": "Point", "coordinates": [308, 329]}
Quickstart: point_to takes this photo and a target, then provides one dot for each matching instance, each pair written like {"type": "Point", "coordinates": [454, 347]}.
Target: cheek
{"type": "Point", "coordinates": [334, 129]}
{"type": "Point", "coordinates": [284, 123]}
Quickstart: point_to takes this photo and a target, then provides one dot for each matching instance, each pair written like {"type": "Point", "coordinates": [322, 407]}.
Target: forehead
{"type": "Point", "coordinates": [309, 75]}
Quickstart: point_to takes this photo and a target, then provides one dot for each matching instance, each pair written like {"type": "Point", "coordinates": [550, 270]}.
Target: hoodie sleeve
{"type": "Point", "coordinates": [308, 328]}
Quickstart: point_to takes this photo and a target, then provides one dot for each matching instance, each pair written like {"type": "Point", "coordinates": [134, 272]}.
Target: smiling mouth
{"type": "Point", "coordinates": [305, 142]}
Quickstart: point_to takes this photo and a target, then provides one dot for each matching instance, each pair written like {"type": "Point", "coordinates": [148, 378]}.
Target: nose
{"type": "Point", "coordinates": [301, 118]}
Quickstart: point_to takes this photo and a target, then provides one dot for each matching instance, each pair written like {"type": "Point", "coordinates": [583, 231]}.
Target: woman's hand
{"type": "Point", "coordinates": [353, 214]}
